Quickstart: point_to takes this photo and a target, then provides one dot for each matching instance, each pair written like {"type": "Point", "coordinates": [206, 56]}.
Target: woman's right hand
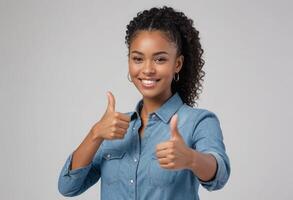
{"type": "Point", "coordinates": [112, 125]}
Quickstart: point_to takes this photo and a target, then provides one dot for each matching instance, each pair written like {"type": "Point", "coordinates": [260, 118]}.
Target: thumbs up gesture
{"type": "Point", "coordinates": [112, 125]}
{"type": "Point", "coordinates": [173, 154]}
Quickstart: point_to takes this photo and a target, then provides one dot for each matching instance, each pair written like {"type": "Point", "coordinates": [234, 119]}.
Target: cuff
{"type": "Point", "coordinates": [80, 172]}
{"type": "Point", "coordinates": [221, 175]}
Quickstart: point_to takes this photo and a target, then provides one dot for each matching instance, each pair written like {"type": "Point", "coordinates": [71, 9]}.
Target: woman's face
{"type": "Point", "coordinates": [153, 61]}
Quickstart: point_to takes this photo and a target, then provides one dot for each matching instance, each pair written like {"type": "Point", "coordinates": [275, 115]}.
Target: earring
{"type": "Point", "coordinates": [128, 77]}
{"type": "Point", "coordinates": [176, 78]}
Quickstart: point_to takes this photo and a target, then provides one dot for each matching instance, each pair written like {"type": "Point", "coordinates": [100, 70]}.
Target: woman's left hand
{"type": "Point", "coordinates": [174, 154]}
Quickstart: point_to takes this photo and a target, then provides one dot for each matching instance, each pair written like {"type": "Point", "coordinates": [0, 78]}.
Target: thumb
{"type": "Point", "coordinates": [173, 127]}
{"type": "Point", "coordinates": [111, 102]}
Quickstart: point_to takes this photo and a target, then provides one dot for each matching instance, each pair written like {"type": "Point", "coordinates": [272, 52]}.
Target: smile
{"type": "Point", "coordinates": [149, 82]}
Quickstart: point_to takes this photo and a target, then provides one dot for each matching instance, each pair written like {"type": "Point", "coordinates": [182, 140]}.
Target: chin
{"type": "Point", "coordinates": [152, 94]}
{"type": "Point", "coordinates": [148, 94]}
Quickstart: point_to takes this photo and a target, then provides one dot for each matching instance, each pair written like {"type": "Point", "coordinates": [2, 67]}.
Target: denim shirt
{"type": "Point", "coordinates": [129, 169]}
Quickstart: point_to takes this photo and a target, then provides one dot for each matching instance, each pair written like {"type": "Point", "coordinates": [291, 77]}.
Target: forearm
{"type": "Point", "coordinates": [204, 166]}
{"type": "Point", "coordinates": [85, 152]}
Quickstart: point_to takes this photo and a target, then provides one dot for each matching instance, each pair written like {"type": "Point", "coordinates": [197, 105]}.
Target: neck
{"type": "Point", "coordinates": [152, 104]}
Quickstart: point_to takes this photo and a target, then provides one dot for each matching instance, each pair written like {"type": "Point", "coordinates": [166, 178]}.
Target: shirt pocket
{"type": "Point", "coordinates": [158, 176]}
{"type": "Point", "coordinates": [110, 170]}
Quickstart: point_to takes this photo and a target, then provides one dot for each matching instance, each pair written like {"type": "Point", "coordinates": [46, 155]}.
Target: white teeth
{"type": "Point", "coordinates": [148, 82]}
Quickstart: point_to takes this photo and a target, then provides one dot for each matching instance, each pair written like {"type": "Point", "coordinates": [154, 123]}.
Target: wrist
{"type": "Point", "coordinates": [191, 164]}
{"type": "Point", "coordinates": [95, 137]}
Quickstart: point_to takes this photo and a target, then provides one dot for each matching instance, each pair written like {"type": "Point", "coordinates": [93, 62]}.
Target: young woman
{"type": "Point", "coordinates": [165, 148]}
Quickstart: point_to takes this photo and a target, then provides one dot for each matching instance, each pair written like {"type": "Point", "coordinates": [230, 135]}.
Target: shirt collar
{"type": "Point", "coordinates": [166, 111]}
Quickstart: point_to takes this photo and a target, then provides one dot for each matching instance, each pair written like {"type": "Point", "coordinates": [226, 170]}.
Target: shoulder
{"type": "Point", "coordinates": [200, 121]}
{"type": "Point", "coordinates": [196, 114]}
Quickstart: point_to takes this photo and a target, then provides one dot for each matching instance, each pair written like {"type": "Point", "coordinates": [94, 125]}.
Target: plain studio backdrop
{"type": "Point", "coordinates": [58, 59]}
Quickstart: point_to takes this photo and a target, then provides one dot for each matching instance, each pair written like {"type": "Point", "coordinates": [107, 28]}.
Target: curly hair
{"type": "Point", "coordinates": [179, 29]}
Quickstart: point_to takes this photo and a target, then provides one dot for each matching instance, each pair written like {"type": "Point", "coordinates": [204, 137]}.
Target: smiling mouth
{"type": "Point", "coordinates": [149, 82]}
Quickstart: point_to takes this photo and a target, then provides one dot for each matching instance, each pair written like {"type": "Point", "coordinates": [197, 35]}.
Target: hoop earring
{"type": "Point", "coordinates": [176, 78]}
{"type": "Point", "coordinates": [128, 77]}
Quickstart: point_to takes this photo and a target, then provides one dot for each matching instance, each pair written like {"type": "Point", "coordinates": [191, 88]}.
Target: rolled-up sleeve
{"type": "Point", "coordinates": [74, 182]}
{"type": "Point", "coordinates": [208, 139]}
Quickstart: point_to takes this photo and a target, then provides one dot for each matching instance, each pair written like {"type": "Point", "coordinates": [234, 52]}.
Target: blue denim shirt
{"type": "Point", "coordinates": [129, 169]}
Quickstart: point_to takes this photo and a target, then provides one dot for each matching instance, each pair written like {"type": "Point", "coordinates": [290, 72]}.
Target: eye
{"type": "Point", "coordinates": [137, 59]}
{"type": "Point", "coordinates": [160, 60]}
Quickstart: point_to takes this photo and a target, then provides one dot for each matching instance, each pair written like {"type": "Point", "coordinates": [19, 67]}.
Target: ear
{"type": "Point", "coordinates": [179, 63]}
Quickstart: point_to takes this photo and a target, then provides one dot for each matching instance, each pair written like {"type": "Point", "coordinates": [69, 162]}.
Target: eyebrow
{"type": "Point", "coordinates": [157, 53]}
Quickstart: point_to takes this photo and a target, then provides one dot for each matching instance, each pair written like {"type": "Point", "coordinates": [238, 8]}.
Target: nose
{"type": "Point", "coordinates": [148, 68]}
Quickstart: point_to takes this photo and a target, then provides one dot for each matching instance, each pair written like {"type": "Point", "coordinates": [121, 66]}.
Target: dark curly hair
{"type": "Point", "coordinates": [179, 30]}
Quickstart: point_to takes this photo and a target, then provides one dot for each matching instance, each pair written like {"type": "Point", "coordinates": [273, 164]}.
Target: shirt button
{"type": "Point", "coordinates": [135, 160]}
{"type": "Point", "coordinates": [108, 156]}
{"type": "Point", "coordinates": [133, 128]}
{"type": "Point", "coordinates": [131, 181]}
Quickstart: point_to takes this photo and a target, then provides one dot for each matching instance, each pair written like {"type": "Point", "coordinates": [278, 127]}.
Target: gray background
{"type": "Point", "coordinates": [58, 59]}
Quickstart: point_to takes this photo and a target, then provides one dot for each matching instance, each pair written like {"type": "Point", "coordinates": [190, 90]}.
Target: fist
{"type": "Point", "coordinates": [173, 154]}
{"type": "Point", "coordinates": [112, 125]}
